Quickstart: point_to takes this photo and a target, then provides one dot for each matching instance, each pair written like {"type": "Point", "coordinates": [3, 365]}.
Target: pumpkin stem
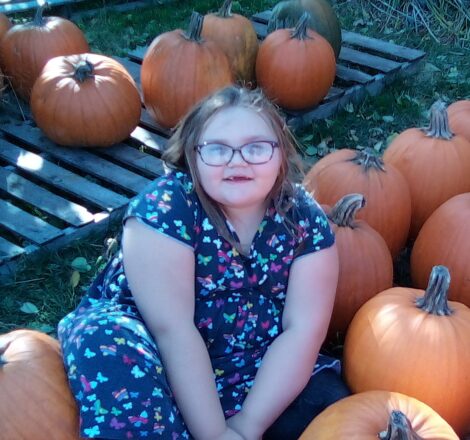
{"type": "Point", "coordinates": [3, 349]}
{"type": "Point", "coordinates": [83, 71]}
{"type": "Point", "coordinates": [434, 300]}
{"type": "Point", "coordinates": [344, 212]}
{"type": "Point", "coordinates": [399, 428]}
{"type": "Point", "coordinates": [225, 10]}
{"type": "Point", "coordinates": [300, 30]}
{"type": "Point", "coordinates": [195, 27]}
{"type": "Point", "coordinates": [368, 159]}
{"type": "Point", "coordinates": [38, 18]}
{"type": "Point", "coordinates": [439, 123]}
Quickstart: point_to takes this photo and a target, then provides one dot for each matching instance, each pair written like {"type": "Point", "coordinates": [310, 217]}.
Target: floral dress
{"type": "Point", "coordinates": [113, 363]}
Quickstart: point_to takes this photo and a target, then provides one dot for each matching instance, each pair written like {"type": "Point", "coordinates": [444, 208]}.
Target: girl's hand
{"type": "Point", "coordinates": [240, 424]}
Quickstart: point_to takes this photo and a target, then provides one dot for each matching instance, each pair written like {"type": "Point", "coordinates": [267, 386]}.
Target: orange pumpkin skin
{"type": "Point", "coordinates": [445, 239]}
{"type": "Point", "coordinates": [393, 345]}
{"type": "Point", "coordinates": [102, 108]}
{"type": "Point", "coordinates": [35, 399]}
{"type": "Point", "coordinates": [5, 24]}
{"type": "Point", "coordinates": [237, 37]}
{"type": "Point", "coordinates": [295, 68]}
{"type": "Point", "coordinates": [26, 48]}
{"type": "Point", "coordinates": [435, 168]}
{"type": "Point", "coordinates": [178, 71]}
{"type": "Point", "coordinates": [388, 207]}
{"type": "Point", "coordinates": [364, 415]}
{"type": "Point", "coordinates": [459, 118]}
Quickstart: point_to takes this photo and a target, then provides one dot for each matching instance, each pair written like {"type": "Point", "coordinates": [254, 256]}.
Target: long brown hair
{"type": "Point", "coordinates": [181, 154]}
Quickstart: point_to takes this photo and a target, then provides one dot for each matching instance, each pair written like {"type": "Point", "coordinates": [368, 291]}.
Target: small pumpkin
{"type": "Point", "coordinates": [459, 117]}
{"type": "Point", "coordinates": [236, 35]}
{"type": "Point", "coordinates": [85, 100]}
{"type": "Point", "coordinates": [26, 48]}
{"type": "Point", "coordinates": [435, 163]}
{"type": "Point", "coordinates": [404, 340]}
{"type": "Point", "coordinates": [323, 19]}
{"type": "Point", "coordinates": [179, 69]}
{"type": "Point", "coordinates": [295, 67]}
{"type": "Point", "coordinates": [383, 415]}
{"type": "Point", "coordinates": [35, 398]}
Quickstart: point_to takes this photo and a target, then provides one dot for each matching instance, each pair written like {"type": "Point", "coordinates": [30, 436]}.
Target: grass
{"type": "Point", "coordinates": [46, 288]}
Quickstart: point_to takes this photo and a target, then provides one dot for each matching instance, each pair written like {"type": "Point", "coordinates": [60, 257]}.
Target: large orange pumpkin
{"type": "Point", "coordinates": [85, 100]}
{"type": "Point", "coordinates": [26, 48]}
{"type": "Point", "coordinates": [416, 343]}
{"type": "Point", "coordinates": [179, 70]}
{"type": "Point", "coordinates": [435, 163]}
{"type": "Point", "coordinates": [35, 399]}
{"type": "Point", "coordinates": [384, 415]}
{"type": "Point", "coordinates": [346, 171]}
{"type": "Point", "coordinates": [445, 239]}
{"type": "Point", "coordinates": [236, 35]}
{"type": "Point", "coordinates": [459, 117]}
{"type": "Point", "coordinates": [295, 67]}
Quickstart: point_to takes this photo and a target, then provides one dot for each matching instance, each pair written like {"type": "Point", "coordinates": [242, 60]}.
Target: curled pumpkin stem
{"type": "Point", "coordinates": [195, 27]}
{"type": "Point", "coordinates": [344, 212]}
{"type": "Point", "coordinates": [225, 10]}
{"type": "Point", "coordinates": [368, 159]}
{"type": "Point", "coordinates": [300, 30]}
{"type": "Point", "coordinates": [399, 428]}
{"type": "Point", "coordinates": [434, 300]}
{"type": "Point", "coordinates": [439, 123]}
{"type": "Point", "coordinates": [38, 18]}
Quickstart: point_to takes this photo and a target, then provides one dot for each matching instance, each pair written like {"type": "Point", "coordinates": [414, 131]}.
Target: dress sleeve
{"type": "Point", "coordinates": [167, 206]}
{"type": "Point", "coordinates": [313, 228]}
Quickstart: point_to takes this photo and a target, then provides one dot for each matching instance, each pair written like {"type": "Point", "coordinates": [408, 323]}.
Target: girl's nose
{"type": "Point", "coordinates": [237, 159]}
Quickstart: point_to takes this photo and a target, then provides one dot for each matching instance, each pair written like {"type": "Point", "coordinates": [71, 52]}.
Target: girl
{"type": "Point", "coordinates": [208, 322]}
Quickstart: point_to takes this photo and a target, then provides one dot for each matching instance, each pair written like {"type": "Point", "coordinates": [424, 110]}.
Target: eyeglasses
{"type": "Point", "coordinates": [253, 153]}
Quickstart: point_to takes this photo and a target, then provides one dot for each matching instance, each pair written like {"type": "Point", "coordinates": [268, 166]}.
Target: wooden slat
{"type": "Point", "coordinates": [8, 249]}
{"type": "Point", "coordinates": [367, 60]}
{"type": "Point", "coordinates": [28, 226]}
{"type": "Point", "coordinates": [137, 54]}
{"type": "Point", "coordinates": [352, 75]}
{"type": "Point", "coordinates": [9, 7]}
{"type": "Point", "coordinates": [157, 143]}
{"type": "Point", "coordinates": [262, 17]}
{"type": "Point", "coordinates": [60, 177]}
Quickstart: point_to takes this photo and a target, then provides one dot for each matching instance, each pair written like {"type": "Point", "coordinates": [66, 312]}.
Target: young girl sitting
{"type": "Point", "coordinates": [208, 322]}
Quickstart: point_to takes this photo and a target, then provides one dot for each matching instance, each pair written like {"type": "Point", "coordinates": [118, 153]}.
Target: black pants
{"type": "Point", "coordinates": [323, 389]}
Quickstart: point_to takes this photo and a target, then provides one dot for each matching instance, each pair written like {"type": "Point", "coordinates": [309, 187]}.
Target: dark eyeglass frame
{"type": "Point", "coordinates": [274, 144]}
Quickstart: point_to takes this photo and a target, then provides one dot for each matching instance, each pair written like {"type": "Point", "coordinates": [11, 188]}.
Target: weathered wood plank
{"type": "Point", "coordinates": [43, 199]}
{"type": "Point", "coordinates": [367, 60]}
{"type": "Point", "coordinates": [8, 249]}
{"type": "Point", "coordinates": [137, 54]}
{"type": "Point", "coordinates": [157, 143]}
{"type": "Point", "coordinates": [347, 74]}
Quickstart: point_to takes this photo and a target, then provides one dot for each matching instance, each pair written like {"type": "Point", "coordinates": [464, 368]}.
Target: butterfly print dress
{"type": "Point", "coordinates": [112, 361]}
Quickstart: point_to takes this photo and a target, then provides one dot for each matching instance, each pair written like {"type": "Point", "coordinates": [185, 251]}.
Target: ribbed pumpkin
{"type": "Point", "coordinates": [459, 117]}
{"type": "Point", "coordinates": [346, 171]}
{"type": "Point", "coordinates": [5, 24]}
{"type": "Point", "coordinates": [85, 100]}
{"type": "Point", "coordinates": [323, 19]}
{"type": "Point", "coordinates": [295, 67]}
{"type": "Point", "coordinates": [383, 415]}
{"type": "Point", "coordinates": [179, 69]}
{"type": "Point", "coordinates": [416, 343]}
{"type": "Point", "coordinates": [26, 48]}
{"type": "Point", "coordinates": [365, 263]}
{"type": "Point", "coordinates": [236, 35]}
{"type": "Point", "coordinates": [445, 239]}
{"type": "Point", "coordinates": [35, 399]}
{"type": "Point", "coordinates": [435, 163]}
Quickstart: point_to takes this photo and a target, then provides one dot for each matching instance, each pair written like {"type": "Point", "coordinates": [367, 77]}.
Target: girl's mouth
{"type": "Point", "coordinates": [237, 179]}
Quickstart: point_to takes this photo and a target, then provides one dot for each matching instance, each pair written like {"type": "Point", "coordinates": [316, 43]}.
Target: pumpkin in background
{"type": "Point", "coordinates": [435, 163]}
{"type": "Point", "coordinates": [323, 19]}
{"type": "Point", "coordinates": [378, 414]}
{"type": "Point", "coordinates": [85, 100]}
{"type": "Point", "coordinates": [295, 67]}
{"type": "Point", "coordinates": [26, 48]}
{"type": "Point", "coordinates": [445, 239]}
{"type": "Point", "coordinates": [459, 117]}
{"type": "Point", "coordinates": [237, 37]}
{"type": "Point", "coordinates": [35, 399]}
{"type": "Point", "coordinates": [346, 171]}
{"type": "Point", "coordinates": [365, 263]}
{"type": "Point", "coordinates": [5, 24]}
{"type": "Point", "coordinates": [417, 343]}
{"type": "Point", "coordinates": [179, 69]}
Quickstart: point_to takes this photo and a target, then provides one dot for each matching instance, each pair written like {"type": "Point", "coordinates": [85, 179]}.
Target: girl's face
{"type": "Point", "coordinates": [238, 185]}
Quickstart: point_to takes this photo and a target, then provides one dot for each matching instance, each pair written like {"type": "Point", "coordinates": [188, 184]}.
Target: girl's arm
{"type": "Point", "coordinates": [288, 364]}
{"type": "Point", "coordinates": [160, 273]}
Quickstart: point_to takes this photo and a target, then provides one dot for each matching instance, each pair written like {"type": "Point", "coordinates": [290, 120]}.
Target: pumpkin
{"type": "Point", "coordinates": [35, 399]}
{"type": "Point", "coordinates": [101, 101]}
{"type": "Point", "coordinates": [435, 163]}
{"type": "Point", "coordinates": [445, 239]}
{"type": "Point", "coordinates": [323, 19]}
{"type": "Point", "coordinates": [5, 24]}
{"type": "Point", "coordinates": [295, 67]}
{"type": "Point", "coordinates": [179, 69]}
{"type": "Point", "coordinates": [417, 343]}
{"type": "Point", "coordinates": [237, 37]}
{"type": "Point", "coordinates": [365, 263]}
{"type": "Point", "coordinates": [26, 48]}
{"type": "Point", "coordinates": [459, 118]}
{"type": "Point", "coordinates": [388, 208]}
{"type": "Point", "coordinates": [373, 415]}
